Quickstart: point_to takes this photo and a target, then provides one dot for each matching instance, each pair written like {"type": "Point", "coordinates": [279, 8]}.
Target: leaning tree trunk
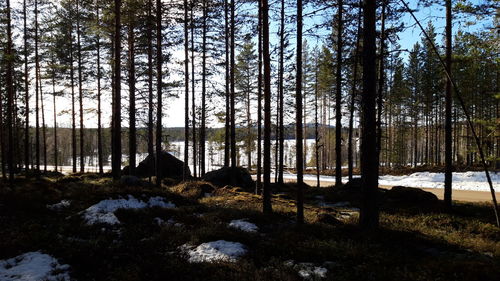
{"type": "Point", "coordinates": [369, 215]}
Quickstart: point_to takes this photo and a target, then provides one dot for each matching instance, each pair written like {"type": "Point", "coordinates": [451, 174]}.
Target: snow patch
{"type": "Point", "coordinates": [58, 206]}
{"type": "Point", "coordinates": [33, 266]}
{"type": "Point", "coordinates": [244, 225]}
{"type": "Point", "coordinates": [103, 212]}
{"type": "Point", "coordinates": [220, 250]}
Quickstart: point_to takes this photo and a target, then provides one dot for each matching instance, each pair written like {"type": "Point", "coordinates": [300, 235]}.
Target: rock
{"type": "Point", "coordinates": [171, 167]}
{"type": "Point", "coordinates": [194, 189]}
{"type": "Point", "coordinates": [238, 177]}
{"type": "Point", "coordinates": [410, 195]}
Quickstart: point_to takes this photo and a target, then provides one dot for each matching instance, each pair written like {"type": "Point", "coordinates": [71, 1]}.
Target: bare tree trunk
{"type": "Point", "coordinates": [73, 112]}
{"type": "Point", "coordinates": [233, 93]}
{"type": "Point", "coordinates": [159, 105]}
{"type": "Point", "coordinates": [37, 98]}
{"type": "Point", "coordinates": [80, 86]}
{"type": "Point", "coordinates": [203, 91]}
{"type": "Point", "coordinates": [26, 89]}
{"type": "Point", "coordinates": [338, 101]}
{"type": "Point", "coordinates": [298, 118]}
{"type": "Point", "coordinates": [350, 145]}
{"type": "Point", "coordinates": [228, 118]}
{"type": "Point", "coordinates": [150, 81]}
{"type": "Point", "coordinates": [448, 125]}
{"type": "Point", "coordinates": [131, 82]}
{"type": "Point", "coordinates": [369, 216]}
{"type": "Point", "coordinates": [186, 88]}
{"type": "Point", "coordinates": [99, 111]}
{"type": "Point", "coordinates": [56, 152]}
{"type": "Point", "coordinates": [267, 205]}
{"type": "Point", "coordinates": [193, 98]}
{"type": "Point", "coordinates": [116, 146]}
{"type": "Point", "coordinates": [259, 103]}
{"type": "Point", "coordinates": [10, 98]}
{"type": "Point", "coordinates": [281, 93]}
{"type": "Point", "coordinates": [316, 130]}
{"type": "Point", "coordinates": [44, 126]}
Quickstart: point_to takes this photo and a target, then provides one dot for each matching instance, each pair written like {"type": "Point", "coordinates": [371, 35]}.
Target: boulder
{"type": "Point", "coordinates": [410, 195]}
{"type": "Point", "coordinates": [171, 167]}
{"type": "Point", "coordinates": [238, 177]}
{"type": "Point", "coordinates": [355, 183]}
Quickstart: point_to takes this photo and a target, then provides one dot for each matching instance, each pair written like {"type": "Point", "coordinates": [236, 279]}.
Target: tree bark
{"type": "Point", "coordinates": [150, 81]}
{"type": "Point", "coordinates": [338, 101]}
{"type": "Point", "coordinates": [159, 108]}
{"type": "Point", "coordinates": [131, 82]}
{"type": "Point", "coordinates": [80, 86]}
{"type": "Point", "coordinates": [227, 140]}
{"type": "Point", "coordinates": [99, 111]}
{"type": "Point", "coordinates": [369, 216]}
{"type": "Point", "coordinates": [267, 206]}
{"type": "Point", "coordinates": [116, 145]}
{"type": "Point", "coordinates": [298, 118]}
{"type": "Point", "coordinates": [281, 93]}
{"type": "Point", "coordinates": [448, 125]}
{"type": "Point", "coordinates": [233, 93]}
{"type": "Point", "coordinates": [186, 88]}
{"type": "Point", "coordinates": [203, 90]}
{"type": "Point", "coordinates": [259, 103]}
{"type": "Point", "coordinates": [10, 98]}
{"type": "Point", "coordinates": [26, 93]}
{"type": "Point", "coordinates": [193, 97]}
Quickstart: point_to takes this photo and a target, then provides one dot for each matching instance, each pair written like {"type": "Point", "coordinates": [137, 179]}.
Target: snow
{"type": "Point", "coordinates": [311, 273]}
{"type": "Point", "coordinates": [220, 250]}
{"type": "Point", "coordinates": [58, 206]}
{"type": "Point", "coordinates": [33, 266]}
{"type": "Point", "coordinates": [103, 212]}
{"type": "Point", "coordinates": [475, 181]}
{"type": "Point", "coordinates": [461, 181]}
{"type": "Point", "coordinates": [244, 225]}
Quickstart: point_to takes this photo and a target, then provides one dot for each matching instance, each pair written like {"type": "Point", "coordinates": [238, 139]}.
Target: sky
{"type": "Point", "coordinates": [174, 107]}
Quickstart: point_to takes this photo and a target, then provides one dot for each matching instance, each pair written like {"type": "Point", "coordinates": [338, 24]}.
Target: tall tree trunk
{"type": "Point", "coordinates": [44, 125]}
{"type": "Point", "coordinates": [150, 80]}
{"type": "Point", "coordinates": [448, 125]}
{"type": "Point", "coordinates": [338, 100]}
{"type": "Point", "coordinates": [227, 140]}
{"type": "Point", "coordinates": [298, 118]}
{"type": "Point", "coordinates": [80, 86]}
{"type": "Point", "coordinates": [56, 152]}
{"type": "Point", "coordinates": [131, 82]}
{"type": "Point", "coordinates": [281, 92]}
{"type": "Point", "coordinates": [99, 111]}
{"type": "Point", "coordinates": [316, 125]}
{"type": "Point", "coordinates": [233, 93]}
{"type": "Point", "coordinates": [116, 146]}
{"type": "Point", "coordinates": [267, 206]}
{"type": "Point", "coordinates": [193, 97]}
{"type": "Point", "coordinates": [26, 93]}
{"type": "Point", "coordinates": [159, 109]}
{"type": "Point", "coordinates": [350, 145]}
{"type": "Point", "coordinates": [381, 81]}
{"type": "Point", "coordinates": [369, 216]}
{"type": "Point", "coordinates": [10, 97]}
{"type": "Point", "coordinates": [203, 90]}
{"type": "Point", "coordinates": [37, 98]}
{"type": "Point", "coordinates": [259, 103]}
{"type": "Point", "coordinates": [186, 88]}
{"type": "Point", "coordinates": [73, 112]}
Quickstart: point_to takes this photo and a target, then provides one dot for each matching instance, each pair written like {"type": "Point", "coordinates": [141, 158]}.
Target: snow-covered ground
{"type": "Point", "coordinates": [475, 181]}
{"type": "Point", "coordinates": [244, 225]}
{"type": "Point", "coordinates": [33, 266]}
{"type": "Point", "coordinates": [103, 212]}
{"type": "Point", "coordinates": [220, 250]}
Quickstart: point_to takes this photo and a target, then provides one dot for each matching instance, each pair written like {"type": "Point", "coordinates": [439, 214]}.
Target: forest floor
{"type": "Point", "coordinates": [157, 233]}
